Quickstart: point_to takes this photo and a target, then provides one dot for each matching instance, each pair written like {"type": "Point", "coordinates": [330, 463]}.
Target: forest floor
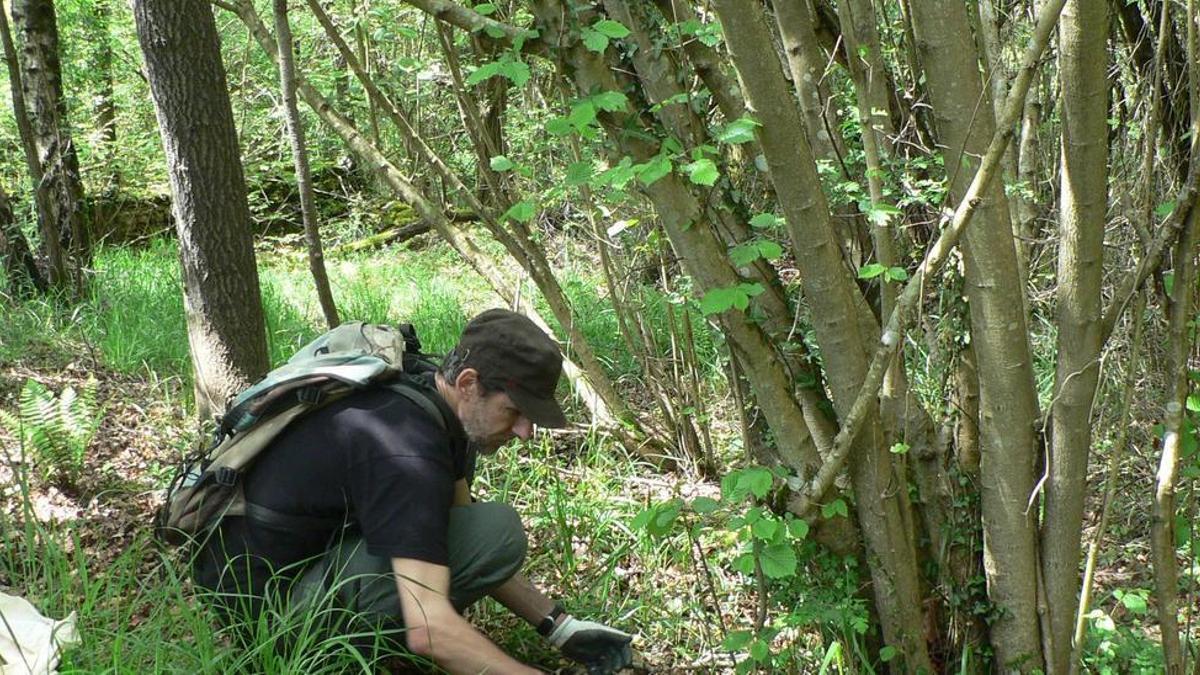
{"type": "Point", "coordinates": [607, 533]}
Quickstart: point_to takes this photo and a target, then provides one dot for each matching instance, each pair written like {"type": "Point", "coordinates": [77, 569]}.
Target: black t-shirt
{"type": "Point", "coordinates": [374, 461]}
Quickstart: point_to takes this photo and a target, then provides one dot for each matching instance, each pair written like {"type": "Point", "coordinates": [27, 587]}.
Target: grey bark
{"type": "Point", "coordinates": [806, 63]}
{"type": "Point", "coordinates": [226, 329]}
{"type": "Point", "coordinates": [37, 27]}
{"type": "Point", "coordinates": [1008, 403]}
{"type": "Point", "coordinates": [51, 244]}
{"type": "Point", "coordinates": [295, 133]}
{"type": "Point", "coordinates": [1083, 62]}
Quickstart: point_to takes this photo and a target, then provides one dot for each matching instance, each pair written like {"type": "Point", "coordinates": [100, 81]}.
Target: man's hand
{"type": "Point", "coordinates": [602, 650]}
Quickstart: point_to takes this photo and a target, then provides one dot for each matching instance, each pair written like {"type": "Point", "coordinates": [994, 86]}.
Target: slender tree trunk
{"type": "Point", "coordinates": [226, 330]}
{"type": "Point", "coordinates": [807, 64]}
{"type": "Point", "coordinates": [24, 278]}
{"type": "Point", "coordinates": [837, 311]}
{"type": "Point", "coordinates": [104, 105]}
{"type": "Point", "coordinates": [37, 26]}
{"type": "Point", "coordinates": [1083, 63]}
{"type": "Point", "coordinates": [45, 208]}
{"type": "Point", "coordinates": [1008, 402]}
{"type": "Point", "coordinates": [295, 132]}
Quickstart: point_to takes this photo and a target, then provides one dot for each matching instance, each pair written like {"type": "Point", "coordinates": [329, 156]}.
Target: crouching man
{"type": "Point", "coordinates": [366, 500]}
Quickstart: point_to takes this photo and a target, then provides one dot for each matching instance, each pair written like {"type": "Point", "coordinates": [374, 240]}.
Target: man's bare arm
{"type": "Point", "coordinates": [435, 630]}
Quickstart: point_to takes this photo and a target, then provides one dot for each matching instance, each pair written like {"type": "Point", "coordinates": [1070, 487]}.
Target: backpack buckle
{"type": "Point", "coordinates": [226, 476]}
{"type": "Point", "coordinates": [310, 395]}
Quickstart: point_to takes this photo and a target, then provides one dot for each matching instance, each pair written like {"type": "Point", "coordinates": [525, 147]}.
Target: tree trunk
{"type": "Point", "coordinates": [45, 209]}
{"type": "Point", "coordinates": [37, 27]}
{"type": "Point", "coordinates": [807, 64]}
{"type": "Point", "coordinates": [841, 323]}
{"type": "Point", "coordinates": [1083, 61]}
{"type": "Point", "coordinates": [295, 132]}
{"type": "Point", "coordinates": [24, 278]}
{"type": "Point", "coordinates": [1008, 403]}
{"type": "Point", "coordinates": [226, 330]}
{"type": "Point", "coordinates": [103, 105]}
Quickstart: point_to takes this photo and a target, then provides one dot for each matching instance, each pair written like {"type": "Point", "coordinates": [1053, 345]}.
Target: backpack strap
{"type": "Point", "coordinates": [421, 396]}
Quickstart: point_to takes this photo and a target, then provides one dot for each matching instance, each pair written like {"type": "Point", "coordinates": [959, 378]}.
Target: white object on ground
{"type": "Point", "coordinates": [30, 644]}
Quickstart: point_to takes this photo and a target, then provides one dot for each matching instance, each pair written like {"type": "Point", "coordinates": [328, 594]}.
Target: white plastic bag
{"type": "Point", "coordinates": [30, 644]}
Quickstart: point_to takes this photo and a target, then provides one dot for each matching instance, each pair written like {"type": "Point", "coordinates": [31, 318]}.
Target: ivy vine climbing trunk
{"type": "Point", "coordinates": [226, 329]}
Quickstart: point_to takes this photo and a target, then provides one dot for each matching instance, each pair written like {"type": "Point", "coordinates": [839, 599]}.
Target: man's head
{"type": "Point", "coordinates": [500, 379]}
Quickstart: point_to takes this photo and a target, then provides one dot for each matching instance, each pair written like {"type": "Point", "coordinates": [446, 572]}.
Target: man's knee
{"type": "Point", "coordinates": [502, 533]}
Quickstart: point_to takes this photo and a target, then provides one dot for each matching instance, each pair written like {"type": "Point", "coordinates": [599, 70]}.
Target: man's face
{"type": "Point", "coordinates": [491, 420]}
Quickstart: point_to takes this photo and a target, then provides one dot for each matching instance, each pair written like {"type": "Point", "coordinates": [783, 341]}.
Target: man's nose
{"type": "Point", "coordinates": [523, 428]}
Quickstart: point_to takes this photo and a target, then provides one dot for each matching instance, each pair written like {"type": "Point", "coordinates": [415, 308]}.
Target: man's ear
{"type": "Point", "coordinates": [467, 381]}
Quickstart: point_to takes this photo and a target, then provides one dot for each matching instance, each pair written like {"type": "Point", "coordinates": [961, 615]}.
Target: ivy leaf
{"type": "Point", "coordinates": [778, 561]}
{"type": "Point", "coordinates": [594, 40]}
{"type": "Point", "coordinates": [702, 172]}
{"type": "Point", "coordinates": [654, 169]}
{"type": "Point", "coordinates": [704, 505]}
{"type": "Point", "coordinates": [579, 173]}
{"type": "Point", "coordinates": [836, 507]}
{"type": "Point", "coordinates": [738, 131]}
{"type": "Point", "coordinates": [521, 211]}
{"type": "Point", "coordinates": [871, 271]}
{"type": "Point", "coordinates": [501, 163]}
{"type": "Point", "coordinates": [485, 9]}
{"type": "Point", "coordinates": [610, 101]}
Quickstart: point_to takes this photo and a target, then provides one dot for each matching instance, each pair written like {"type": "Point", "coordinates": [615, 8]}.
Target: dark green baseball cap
{"type": "Point", "coordinates": [512, 354]}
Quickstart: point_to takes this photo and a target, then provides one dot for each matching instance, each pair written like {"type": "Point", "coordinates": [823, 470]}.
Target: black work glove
{"type": "Point", "coordinates": [602, 650]}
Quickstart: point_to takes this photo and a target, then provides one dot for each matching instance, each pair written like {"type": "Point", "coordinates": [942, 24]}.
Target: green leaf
{"type": "Point", "coordinates": [559, 126]}
{"type": "Point", "coordinates": [899, 449]}
{"type": "Point", "coordinates": [521, 211]}
{"type": "Point", "coordinates": [642, 519]}
{"type": "Point", "coordinates": [897, 274]}
{"type": "Point", "coordinates": [582, 114]}
{"type": "Point", "coordinates": [655, 169]}
{"type": "Point", "coordinates": [881, 215]}
{"type": "Point", "coordinates": [760, 651]}
{"type": "Point", "coordinates": [778, 561]}
{"type": "Point", "coordinates": [494, 32]}
{"type": "Point", "coordinates": [517, 72]}
{"type": "Point", "coordinates": [887, 653]}
{"type": "Point", "coordinates": [594, 40]}
{"type": "Point", "coordinates": [718, 300]}
{"type": "Point", "coordinates": [579, 173]}
{"type": "Point", "coordinates": [764, 529]}
{"type": "Point", "coordinates": [610, 101]}
{"type": "Point", "coordinates": [1193, 402]}
{"type": "Point", "coordinates": [484, 72]}
{"type": "Point", "coordinates": [766, 220]}
{"type": "Point", "coordinates": [1164, 209]}
{"type": "Point", "coordinates": [501, 163]}
{"type": "Point", "coordinates": [769, 250]}
{"type": "Point", "coordinates": [798, 528]}
{"type": "Point", "coordinates": [744, 254]}
{"type": "Point", "coordinates": [871, 271]}
{"type": "Point", "coordinates": [736, 640]}
{"type": "Point", "coordinates": [744, 563]}
{"type": "Point", "coordinates": [485, 9]}
{"type": "Point", "coordinates": [705, 505]}
{"type": "Point", "coordinates": [702, 172]}
{"type": "Point", "coordinates": [610, 28]}
{"type": "Point", "coordinates": [758, 480]}
{"type": "Point", "coordinates": [738, 131]}
{"type": "Point", "coordinates": [836, 507]}
{"type": "Point", "coordinates": [1135, 602]}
